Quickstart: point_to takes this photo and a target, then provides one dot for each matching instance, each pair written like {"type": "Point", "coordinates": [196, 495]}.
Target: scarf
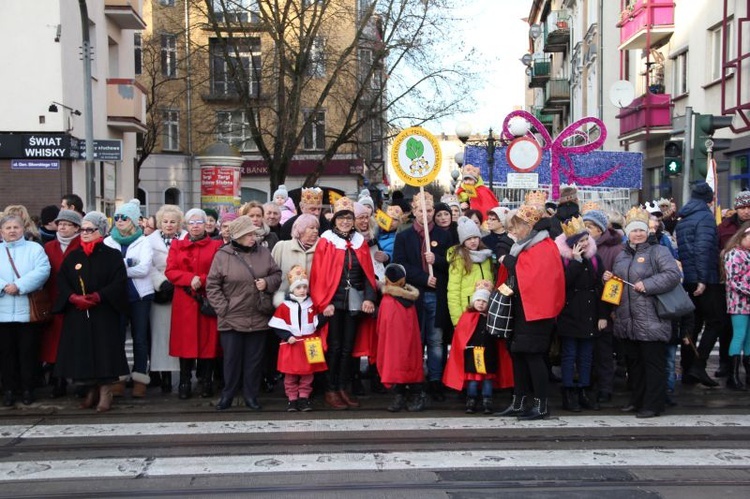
{"type": "Point", "coordinates": [533, 238]}
{"type": "Point", "coordinates": [298, 299]}
{"type": "Point", "coordinates": [304, 246]}
{"type": "Point", "coordinates": [88, 247]}
{"type": "Point", "coordinates": [479, 256]}
{"type": "Point", "coordinates": [346, 236]}
{"type": "Point", "coordinates": [199, 238]}
{"type": "Point", "coordinates": [65, 241]}
{"type": "Point", "coordinates": [168, 239]}
{"type": "Point", "coordinates": [419, 229]}
{"type": "Point", "coordinates": [243, 249]}
{"type": "Point", "coordinates": [125, 240]}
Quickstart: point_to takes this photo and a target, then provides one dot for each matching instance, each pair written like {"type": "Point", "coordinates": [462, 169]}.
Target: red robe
{"type": "Point", "coordinates": [325, 276]}
{"type": "Point", "coordinates": [541, 280]}
{"type": "Point", "coordinates": [484, 201]}
{"type": "Point", "coordinates": [193, 335]}
{"type": "Point", "coordinates": [292, 357]}
{"type": "Point", "coordinates": [455, 376]}
{"type": "Point", "coordinates": [400, 351]}
{"type": "Point", "coordinates": [53, 329]}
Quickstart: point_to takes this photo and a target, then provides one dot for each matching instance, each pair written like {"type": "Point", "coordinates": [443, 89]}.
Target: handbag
{"type": "Point", "coordinates": [164, 294]}
{"type": "Point", "coordinates": [204, 306]}
{"type": "Point", "coordinates": [354, 300]}
{"type": "Point", "coordinates": [500, 313]}
{"type": "Point", "coordinates": [40, 305]}
{"type": "Point", "coordinates": [674, 303]}
{"type": "Point", "coordinates": [265, 303]}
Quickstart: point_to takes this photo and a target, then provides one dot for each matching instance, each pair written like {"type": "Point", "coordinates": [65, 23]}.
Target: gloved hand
{"type": "Point", "coordinates": [80, 302]}
{"type": "Point", "coordinates": [166, 287]}
{"type": "Point", "coordinates": [93, 299]}
{"type": "Point", "coordinates": [509, 262]}
{"type": "Point", "coordinates": [131, 262]}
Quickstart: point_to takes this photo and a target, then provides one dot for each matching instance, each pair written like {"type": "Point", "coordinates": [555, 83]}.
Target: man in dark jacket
{"type": "Point", "coordinates": [698, 248]}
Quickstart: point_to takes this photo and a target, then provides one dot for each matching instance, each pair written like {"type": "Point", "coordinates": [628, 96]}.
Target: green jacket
{"type": "Point", "coordinates": [461, 285]}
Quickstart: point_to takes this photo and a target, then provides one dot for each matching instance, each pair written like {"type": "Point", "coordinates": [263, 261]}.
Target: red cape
{"type": "Point", "coordinates": [541, 281]}
{"type": "Point", "coordinates": [454, 375]}
{"type": "Point", "coordinates": [484, 201]}
{"type": "Point", "coordinates": [400, 353]}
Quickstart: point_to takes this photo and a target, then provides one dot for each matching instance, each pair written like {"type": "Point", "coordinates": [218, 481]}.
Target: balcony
{"type": "Point", "coordinates": [539, 73]}
{"type": "Point", "coordinates": [557, 28]}
{"type": "Point", "coordinates": [544, 118]}
{"type": "Point", "coordinates": [126, 105]}
{"type": "Point", "coordinates": [644, 19]}
{"type": "Point", "coordinates": [647, 114]}
{"type": "Point", "coordinates": [126, 14]}
{"type": "Point", "coordinates": [556, 95]}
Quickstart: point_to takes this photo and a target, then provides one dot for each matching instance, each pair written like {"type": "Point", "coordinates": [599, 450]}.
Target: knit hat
{"type": "Point", "coordinates": [195, 212]}
{"type": "Point", "coordinates": [360, 209]}
{"type": "Point", "coordinates": [49, 213]}
{"type": "Point", "coordinates": [742, 200]}
{"type": "Point", "coordinates": [229, 217]}
{"type": "Point", "coordinates": [597, 218]}
{"type": "Point", "coordinates": [366, 199]}
{"type": "Point", "coordinates": [501, 212]}
{"type": "Point", "coordinates": [311, 196]}
{"type": "Point", "coordinates": [529, 213]}
{"type": "Point", "coordinates": [442, 207]}
{"type": "Point", "coordinates": [395, 275]}
{"type": "Point", "coordinates": [99, 220]}
{"type": "Point", "coordinates": [297, 277]}
{"type": "Point", "coordinates": [568, 194]}
{"type": "Point", "coordinates": [69, 216]}
{"type": "Point", "coordinates": [210, 212]}
{"type": "Point", "coordinates": [303, 222]}
{"type": "Point", "coordinates": [241, 226]}
{"type": "Point", "coordinates": [422, 200]}
{"type": "Point", "coordinates": [466, 229]}
{"type": "Point", "coordinates": [636, 218]}
{"type": "Point", "coordinates": [482, 291]}
{"type": "Point", "coordinates": [702, 191]}
{"type": "Point", "coordinates": [131, 209]}
{"type": "Point", "coordinates": [281, 191]}
{"type": "Point", "coordinates": [342, 206]}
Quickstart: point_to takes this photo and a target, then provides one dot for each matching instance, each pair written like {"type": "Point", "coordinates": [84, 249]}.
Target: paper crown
{"type": "Point", "coordinates": [450, 199]}
{"type": "Point", "coordinates": [652, 207]}
{"type": "Point", "coordinates": [395, 211]}
{"type": "Point", "coordinates": [311, 196]}
{"type": "Point", "coordinates": [530, 214]}
{"type": "Point", "coordinates": [296, 273]}
{"type": "Point", "coordinates": [573, 227]}
{"type": "Point", "coordinates": [588, 206]}
{"type": "Point", "coordinates": [343, 204]}
{"type": "Point", "coordinates": [636, 214]}
{"type": "Point", "coordinates": [536, 198]}
{"type": "Point", "coordinates": [422, 200]}
{"type": "Point", "coordinates": [663, 202]}
{"type": "Point", "coordinates": [483, 284]}
{"type": "Point", "coordinates": [470, 171]}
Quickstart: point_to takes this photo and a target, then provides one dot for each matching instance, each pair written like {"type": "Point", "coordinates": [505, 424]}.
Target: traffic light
{"type": "Point", "coordinates": [673, 161]}
{"type": "Point", "coordinates": [705, 126]}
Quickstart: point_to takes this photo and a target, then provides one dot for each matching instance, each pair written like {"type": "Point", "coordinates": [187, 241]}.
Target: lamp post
{"type": "Point", "coordinates": [88, 106]}
{"type": "Point", "coordinates": [463, 132]}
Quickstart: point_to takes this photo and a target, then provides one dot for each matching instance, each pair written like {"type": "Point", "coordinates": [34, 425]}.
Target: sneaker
{"type": "Point", "coordinates": [304, 404]}
{"type": "Point", "coordinates": [291, 406]}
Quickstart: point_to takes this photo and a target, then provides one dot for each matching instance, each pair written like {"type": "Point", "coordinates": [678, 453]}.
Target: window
{"type": "Point", "coordinates": [365, 63]}
{"type": "Point", "coordinates": [317, 67]}
{"type": "Point", "coordinates": [169, 55]}
{"type": "Point", "coordinates": [234, 128]}
{"type": "Point", "coordinates": [314, 133]}
{"type": "Point", "coordinates": [172, 196]}
{"type": "Point", "coordinates": [680, 74]}
{"type": "Point", "coordinates": [138, 49]}
{"type": "Point", "coordinates": [714, 44]}
{"type": "Point", "coordinates": [376, 137]}
{"type": "Point", "coordinates": [236, 70]}
{"type": "Point", "coordinates": [235, 11]}
{"type": "Point", "coordinates": [170, 140]}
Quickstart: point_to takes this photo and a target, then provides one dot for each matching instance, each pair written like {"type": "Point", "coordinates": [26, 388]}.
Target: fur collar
{"type": "Point", "coordinates": [567, 252]}
{"type": "Point", "coordinates": [356, 241]}
{"type": "Point", "coordinates": [408, 292]}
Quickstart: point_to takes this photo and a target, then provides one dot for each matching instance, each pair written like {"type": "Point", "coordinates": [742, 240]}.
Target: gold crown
{"type": "Point", "coordinates": [483, 284]}
{"type": "Point", "coordinates": [394, 211]}
{"type": "Point", "coordinates": [636, 214]}
{"type": "Point", "coordinates": [589, 206]}
{"type": "Point", "coordinates": [296, 273]}
{"type": "Point", "coordinates": [529, 214]}
{"type": "Point", "coordinates": [470, 171]}
{"type": "Point", "coordinates": [422, 199]}
{"type": "Point", "coordinates": [536, 198]}
{"type": "Point", "coordinates": [573, 226]}
{"type": "Point", "coordinates": [343, 204]}
{"type": "Point", "coordinates": [311, 196]}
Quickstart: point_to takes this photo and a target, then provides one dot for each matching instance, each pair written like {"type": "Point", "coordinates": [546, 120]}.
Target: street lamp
{"type": "Point", "coordinates": [463, 132]}
{"type": "Point", "coordinates": [53, 108]}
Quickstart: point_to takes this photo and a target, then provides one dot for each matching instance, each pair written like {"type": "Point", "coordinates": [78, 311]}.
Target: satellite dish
{"type": "Point", "coordinates": [621, 93]}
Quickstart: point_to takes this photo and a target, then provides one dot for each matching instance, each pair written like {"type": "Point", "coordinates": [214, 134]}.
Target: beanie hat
{"type": "Point", "coordinates": [304, 222]}
{"type": "Point", "coordinates": [99, 220]}
{"type": "Point", "coordinates": [297, 277]}
{"type": "Point", "coordinates": [466, 229]}
{"type": "Point", "coordinates": [482, 291]}
{"type": "Point", "coordinates": [241, 226]}
{"type": "Point", "coordinates": [636, 218]}
{"type": "Point", "coordinates": [395, 275]}
{"type": "Point", "coordinates": [69, 216]}
{"type": "Point", "coordinates": [366, 199]}
{"type": "Point", "coordinates": [742, 200]}
{"type": "Point", "coordinates": [49, 213]}
{"type": "Point", "coordinates": [210, 212]}
{"type": "Point", "coordinates": [568, 194]}
{"type": "Point", "coordinates": [470, 172]}
{"type": "Point", "coordinates": [229, 217]}
{"type": "Point", "coordinates": [501, 212]}
{"type": "Point", "coordinates": [442, 207]}
{"type": "Point", "coordinates": [359, 210]}
{"type": "Point", "coordinates": [281, 191]}
{"type": "Point", "coordinates": [195, 212]}
{"type": "Point", "coordinates": [597, 218]}
{"type": "Point", "coordinates": [131, 209]}
{"type": "Point", "coordinates": [702, 191]}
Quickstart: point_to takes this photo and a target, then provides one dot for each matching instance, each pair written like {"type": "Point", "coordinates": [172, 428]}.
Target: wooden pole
{"type": "Point", "coordinates": [426, 228]}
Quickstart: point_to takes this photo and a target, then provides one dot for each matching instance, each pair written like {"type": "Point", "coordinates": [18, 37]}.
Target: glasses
{"type": "Point", "coordinates": [345, 218]}
{"type": "Point", "coordinates": [88, 230]}
{"type": "Point", "coordinates": [196, 222]}
{"type": "Point", "coordinates": [118, 218]}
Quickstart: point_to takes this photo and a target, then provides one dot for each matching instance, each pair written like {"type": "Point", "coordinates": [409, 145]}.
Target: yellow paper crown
{"type": "Point", "coordinates": [296, 273]}
{"type": "Point", "coordinates": [589, 206]}
{"type": "Point", "coordinates": [573, 226]}
{"type": "Point", "coordinates": [421, 200]}
{"type": "Point", "coordinates": [636, 214]}
{"type": "Point", "coordinates": [343, 204]}
{"type": "Point", "coordinates": [483, 284]}
{"type": "Point", "coordinates": [536, 197]}
{"type": "Point", "coordinates": [311, 196]}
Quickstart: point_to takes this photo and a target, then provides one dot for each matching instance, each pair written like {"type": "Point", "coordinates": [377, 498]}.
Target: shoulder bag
{"type": "Point", "coordinates": [674, 303]}
{"type": "Point", "coordinates": [265, 303]}
{"type": "Point", "coordinates": [40, 306]}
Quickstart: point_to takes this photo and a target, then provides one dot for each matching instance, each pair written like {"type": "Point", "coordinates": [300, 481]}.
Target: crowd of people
{"type": "Point", "coordinates": [236, 302]}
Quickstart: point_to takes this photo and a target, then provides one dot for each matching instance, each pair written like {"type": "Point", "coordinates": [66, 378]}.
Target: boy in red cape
{"type": "Point", "coordinates": [473, 190]}
{"type": "Point", "coordinates": [400, 350]}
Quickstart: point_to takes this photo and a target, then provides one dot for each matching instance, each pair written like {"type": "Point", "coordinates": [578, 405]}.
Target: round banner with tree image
{"type": "Point", "coordinates": [416, 156]}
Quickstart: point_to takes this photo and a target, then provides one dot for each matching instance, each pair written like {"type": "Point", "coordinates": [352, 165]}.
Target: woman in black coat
{"type": "Point", "coordinates": [93, 293]}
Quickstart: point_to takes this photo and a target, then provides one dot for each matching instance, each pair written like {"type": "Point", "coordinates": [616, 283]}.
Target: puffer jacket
{"type": "Point", "coordinates": [698, 243]}
{"type": "Point", "coordinates": [461, 285]}
{"type": "Point", "coordinates": [232, 292]}
{"type": "Point", "coordinates": [33, 267]}
{"type": "Point", "coordinates": [635, 317]}
{"type": "Point", "coordinates": [141, 252]}
{"type": "Point", "coordinates": [737, 267]}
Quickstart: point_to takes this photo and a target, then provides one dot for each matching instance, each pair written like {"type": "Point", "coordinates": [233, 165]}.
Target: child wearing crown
{"type": "Point", "coordinates": [300, 352]}
{"type": "Point", "coordinates": [584, 315]}
{"type": "Point", "coordinates": [472, 190]}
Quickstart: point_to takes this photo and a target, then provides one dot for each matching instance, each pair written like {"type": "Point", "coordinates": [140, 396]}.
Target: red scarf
{"type": "Point", "coordinates": [419, 229]}
{"type": "Point", "coordinates": [88, 248]}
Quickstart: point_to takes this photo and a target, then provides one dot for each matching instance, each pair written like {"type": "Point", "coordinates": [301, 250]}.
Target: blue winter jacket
{"type": "Point", "coordinates": [698, 243]}
{"type": "Point", "coordinates": [33, 266]}
{"type": "Point", "coordinates": [385, 242]}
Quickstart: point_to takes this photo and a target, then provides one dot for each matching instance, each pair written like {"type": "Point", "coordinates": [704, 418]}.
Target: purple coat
{"type": "Point", "coordinates": [737, 267]}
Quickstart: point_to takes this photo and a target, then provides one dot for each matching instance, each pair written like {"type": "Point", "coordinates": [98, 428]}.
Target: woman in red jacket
{"type": "Point", "coordinates": [194, 335]}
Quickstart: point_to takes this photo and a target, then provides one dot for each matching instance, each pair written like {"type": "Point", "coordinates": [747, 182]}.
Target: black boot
{"type": "Point", "coordinates": [166, 382]}
{"type": "Point", "coordinates": [487, 405]}
{"type": "Point", "coordinates": [186, 378]}
{"type": "Point", "coordinates": [436, 391]}
{"type": "Point", "coordinates": [418, 401]}
{"type": "Point", "coordinates": [399, 400]}
{"type": "Point", "coordinates": [205, 373]}
{"type": "Point", "coordinates": [698, 372]}
{"type": "Point", "coordinates": [570, 399]}
{"type": "Point", "coordinates": [514, 409]}
{"type": "Point", "coordinates": [471, 405]}
{"type": "Point", "coordinates": [586, 401]}
{"type": "Point", "coordinates": [746, 364]}
{"type": "Point", "coordinates": [376, 386]}
{"type": "Point", "coordinates": [59, 387]}
{"type": "Point", "coordinates": [357, 387]}
{"type": "Point", "coordinates": [538, 410]}
{"type": "Point", "coordinates": [734, 381]}
{"type": "Point", "coordinates": [724, 370]}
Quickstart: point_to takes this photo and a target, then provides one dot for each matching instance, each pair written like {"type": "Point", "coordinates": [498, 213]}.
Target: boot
{"type": "Point", "coordinates": [105, 398]}
{"type": "Point", "coordinates": [357, 387]}
{"type": "Point", "coordinates": [117, 389]}
{"type": "Point", "coordinates": [724, 370]}
{"type": "Point", "coordinates": [398, 404]}
{"type": "Point", "coordinates": [436, 391]}
{"type": "Point", "coordinates": [471, 405]}
{"type": "Point", "coordinates": [418, 403]}
{"type": "Point", "coordinates": [570, 399]}
{"type": "Point", "coordinates": [349, 399]}
{"type": "Point", "coordinates": [376, 386]}
{"type": "Point", "coordinates": [186, 379]}
{"type": "Point", "coordinates": [514, 409]}
{"type": "Point", "coordinates": [140, 384]}
{"type": "Point", "coordinates": [166, 382]}
{"type": "Point", "coordinates": [333, 400]}
{"type": "Point", "coordinates": [91, 399]}
{"type": "Point", "coordinates": [538, 410]}
{"type": "Point", "coordinates": [733, 380]}
{"type": "Point", "coordinates": [746, 364]}
{"type": "Point", "coordinates": [585, 401]}
{"type": "Point", "coordinates": [487, 405]}
{"type": "Point", "coordinates": [59, 387]}
{"type": "Point", "coordinates": [698, 372]}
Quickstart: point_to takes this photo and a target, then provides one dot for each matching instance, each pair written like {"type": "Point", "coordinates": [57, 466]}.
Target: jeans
{"type": "Point", "coordinates": [472, 389]}
{"type": "Point", "coordinates": [671, 377]}
{"type": "Point", "coordinates": [576, 352]}
{"type": "Point", "coordinates": [432, 337]}
{"type": "Point", "coordinates": [139, 319]}
{"type": "Point", "coordinates": [740, 335]}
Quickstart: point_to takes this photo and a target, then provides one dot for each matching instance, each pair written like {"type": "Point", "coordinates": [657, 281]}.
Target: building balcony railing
{"type": "Point", "coordinates": [557, 93]}
{"type": "Point", "coordinates": [540, 70]}
{"type": "Point", "coordinates": [126, 14]}
{"type": "Point", "coordinates": [557, 31]}
{"type": "Point", "coordinates": [649, 113]}
{"type": "Point", "coordinates": [646, 19]}
{"type": "Point", "coordinates": [126, 105]}
{"type": "Point", "coordinates": [545, 118]}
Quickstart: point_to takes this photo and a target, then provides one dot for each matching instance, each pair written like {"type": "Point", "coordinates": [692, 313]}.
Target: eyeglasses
{"type": "Point", "coordinates": [346, 218]}
{"type": "Point", "coordinates": [124, 218]}
{"type": "Point", "coordinates": [88, 230]}
{"type": "Point", "coordinates": [196, 222]}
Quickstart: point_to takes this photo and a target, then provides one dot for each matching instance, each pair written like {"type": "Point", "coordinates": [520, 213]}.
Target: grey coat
{"type": "Point", "coordinates": [635, 317]}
